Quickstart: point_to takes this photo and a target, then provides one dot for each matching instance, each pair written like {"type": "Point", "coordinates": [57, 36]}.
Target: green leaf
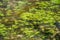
{"type": "Point", "coordinates": [55, 1]}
